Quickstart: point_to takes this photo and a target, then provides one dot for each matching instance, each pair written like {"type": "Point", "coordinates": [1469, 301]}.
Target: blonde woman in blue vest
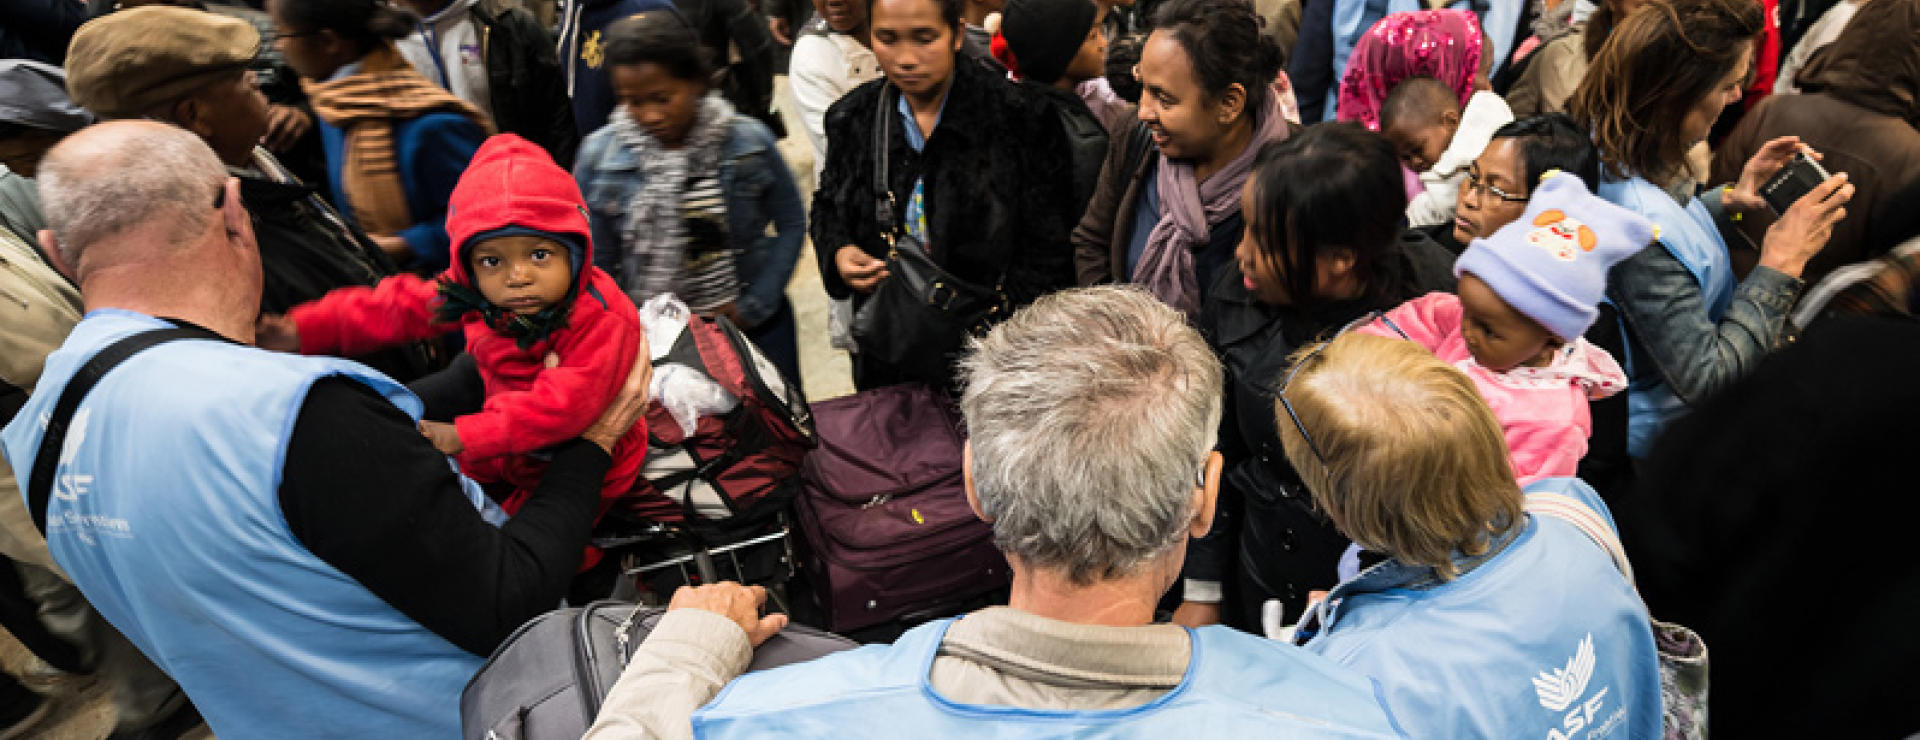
{"type": "Point", "coordinates": [1653, 92]}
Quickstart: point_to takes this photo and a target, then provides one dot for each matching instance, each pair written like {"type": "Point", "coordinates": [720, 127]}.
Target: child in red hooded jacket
{"type": "Point", "coordinates": [521, 284]}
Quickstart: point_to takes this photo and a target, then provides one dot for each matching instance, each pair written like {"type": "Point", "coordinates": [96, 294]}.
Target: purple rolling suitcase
{"type": "Point", "coordinates": [888, 530]}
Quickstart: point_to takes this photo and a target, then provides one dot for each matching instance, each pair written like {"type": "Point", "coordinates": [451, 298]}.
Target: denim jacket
{"type": "Point", "coordinates": [1692, 331]}
{"type": "Point", "coordinates": [759, 188]}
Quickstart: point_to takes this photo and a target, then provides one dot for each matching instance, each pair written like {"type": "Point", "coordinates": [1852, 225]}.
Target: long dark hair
{"type": "Point", "coordinates": [1225, 44]}
{"type": "Point", "coordinates": [363, 23]}
{"type": "Point", "coordinates": [1654, 67]}
{"type": "Point", "coordinates": [1334, 186]}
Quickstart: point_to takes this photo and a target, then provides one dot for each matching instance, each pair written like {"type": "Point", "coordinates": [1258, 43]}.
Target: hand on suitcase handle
{"type": "Point", "coordinates": [740, 604]}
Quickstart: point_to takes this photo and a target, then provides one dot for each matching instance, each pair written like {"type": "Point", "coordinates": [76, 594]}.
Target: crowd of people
{"type": "Point", "coordinates": [1328, 368]}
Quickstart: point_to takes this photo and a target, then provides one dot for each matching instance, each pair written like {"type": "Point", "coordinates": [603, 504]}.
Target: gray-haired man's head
{"type": "Point", "coordinates": [1091, 414]}
{"type": "Point", "coordinates": [113, 178]}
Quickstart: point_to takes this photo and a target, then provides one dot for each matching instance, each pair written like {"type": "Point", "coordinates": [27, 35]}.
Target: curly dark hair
{"type": "Point", "coordinates": [1122, 54]}
{"type": "Point", "coordinates": [1553, 142]}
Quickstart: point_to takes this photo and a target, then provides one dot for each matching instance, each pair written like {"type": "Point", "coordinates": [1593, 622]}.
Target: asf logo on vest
{"type": "Point", "coordinates": [1561, 688]}
{"type": "Point", "coordinates": [69, 486]}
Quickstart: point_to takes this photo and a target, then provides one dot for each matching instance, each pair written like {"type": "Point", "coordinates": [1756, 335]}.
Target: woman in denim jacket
{"type": "Point", "coordinates": [682, 189]}
{"type": "Point", "coordinates": [1651, 93]}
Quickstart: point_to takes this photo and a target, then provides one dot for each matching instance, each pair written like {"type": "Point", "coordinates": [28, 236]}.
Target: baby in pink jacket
{"type": "Point", "coordinates": [1526, 295]}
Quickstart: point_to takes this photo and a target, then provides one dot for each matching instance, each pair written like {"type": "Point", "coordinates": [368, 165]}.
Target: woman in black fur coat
{"type": "Point", "coordinates": [988, 188]}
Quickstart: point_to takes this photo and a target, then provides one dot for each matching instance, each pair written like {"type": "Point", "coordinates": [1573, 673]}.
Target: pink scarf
{"type": "Point", "coordinates": [1441, 44]}
{"type": "Point", "coordinates": [1190, 209]}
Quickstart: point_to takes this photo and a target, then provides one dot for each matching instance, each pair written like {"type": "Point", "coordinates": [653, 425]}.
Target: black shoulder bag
{"type": "Point", "coordinates": [918, 316]}
{"type": "Point", "coordinates": [47, 459]}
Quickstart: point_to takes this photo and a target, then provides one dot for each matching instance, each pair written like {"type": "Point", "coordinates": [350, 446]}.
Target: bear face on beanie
{"type": "Point", "coordinates": [1552, 263]}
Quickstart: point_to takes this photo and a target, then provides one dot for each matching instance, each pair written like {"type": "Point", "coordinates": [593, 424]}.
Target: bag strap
{"type": "Point", "coordinates": [1570, 510]}
{"type": "Point", "coordinates": [54, 440]}
{"type": "Point", "coordinates": [882, 193]}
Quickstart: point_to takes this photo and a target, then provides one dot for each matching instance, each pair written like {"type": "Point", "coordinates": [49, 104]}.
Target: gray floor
{"type": "Point", "coordinates": [86, 715]}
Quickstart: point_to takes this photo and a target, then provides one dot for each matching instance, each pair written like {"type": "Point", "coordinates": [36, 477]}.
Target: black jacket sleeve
{"type": "Point", "coordinates": [748, 32]}
{"type": "Point", "coordinates": [843, 204]}
{"type": "Point", "coordinates": [365, 492]}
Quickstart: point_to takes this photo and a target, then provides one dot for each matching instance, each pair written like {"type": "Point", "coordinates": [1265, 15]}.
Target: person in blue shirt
{"type": "Point", "coordinates": [1485, 619]}
{"type": "Point", "coordinates": [1092, 414]}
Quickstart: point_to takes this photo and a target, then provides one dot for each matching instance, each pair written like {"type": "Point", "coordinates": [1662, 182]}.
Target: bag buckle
{"type": "Point", "coordinates": [941, 296]}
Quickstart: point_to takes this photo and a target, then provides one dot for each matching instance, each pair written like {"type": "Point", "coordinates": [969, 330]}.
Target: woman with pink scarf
{"type": "Point", "coordinates": [1445, 45]}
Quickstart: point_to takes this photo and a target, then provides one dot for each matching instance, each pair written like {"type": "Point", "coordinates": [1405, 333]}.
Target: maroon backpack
{"type": "Point", "coordinates": [729, 469]}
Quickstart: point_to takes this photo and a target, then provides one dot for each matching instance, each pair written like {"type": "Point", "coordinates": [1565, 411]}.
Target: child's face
{"type": "Point", "coordinates": [1499, 337]}
{"type": "Point", "coordinates": [524, 274]}
{"type": "Point", "coordinates": [1420, 145]}
{"type": "Point", "coordinates": [1091, 61]}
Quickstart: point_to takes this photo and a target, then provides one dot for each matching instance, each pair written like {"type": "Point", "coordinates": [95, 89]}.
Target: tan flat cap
{"type": "Point", "coordinates": [126, 64]}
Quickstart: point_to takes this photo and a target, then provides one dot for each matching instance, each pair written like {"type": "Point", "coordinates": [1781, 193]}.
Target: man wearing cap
{"type": "Point", "coordinates": [190, 68]}
{"type": "Point", "coordinates": [35, 114]}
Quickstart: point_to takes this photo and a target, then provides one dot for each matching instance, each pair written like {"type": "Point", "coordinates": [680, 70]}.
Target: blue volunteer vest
{"type": "Point", "coordinates": [1691, 237]}
{"type": "Point", "coordinates": [166, 512]}
{"type": "Point", "coordinates": [1237, 685]}
{"type": "Point", "coordinates": [1545, 641]}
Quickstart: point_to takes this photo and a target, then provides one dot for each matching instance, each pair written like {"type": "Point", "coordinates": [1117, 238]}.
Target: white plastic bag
{"type": "Point", "coordinates": [687, 393]}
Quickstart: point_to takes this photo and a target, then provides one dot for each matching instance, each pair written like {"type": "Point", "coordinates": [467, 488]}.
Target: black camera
{"type": "Point", "coordinates": [1799, 177]}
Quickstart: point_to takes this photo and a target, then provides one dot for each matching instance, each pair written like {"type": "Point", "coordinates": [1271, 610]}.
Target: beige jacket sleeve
{"type": "Point", "coordinates": [1548, 83]}
{"type": "Point", "coordinates": [680, 667]}
{"type": "Point", "coordinates": [37, 309]}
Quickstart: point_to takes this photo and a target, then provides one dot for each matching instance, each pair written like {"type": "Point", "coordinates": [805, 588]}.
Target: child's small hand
{"type": "Point", "coordinates": [444, 436]}
{"type": "Point", "coordinates": [276, 332]}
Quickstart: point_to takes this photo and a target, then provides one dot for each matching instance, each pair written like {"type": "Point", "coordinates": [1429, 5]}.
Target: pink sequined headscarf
{"type": "Point", "coordinates": [1442, 44]}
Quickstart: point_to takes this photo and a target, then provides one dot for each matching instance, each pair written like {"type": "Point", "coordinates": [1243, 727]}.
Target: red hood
{"type": "Point", "coordinates": [512, 182]}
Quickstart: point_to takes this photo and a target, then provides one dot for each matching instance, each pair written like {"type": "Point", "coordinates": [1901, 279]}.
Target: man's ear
{"type": "Point", "coordinates": [50, 247]}
{"type": "Point", "coordinates": [1207, 495]}
{"type": "Point", "coordinates": [966, 479]}
{"type": "Point", "coordinates": [189, 114]}
{"type": "Point", "coordinates": [233, 215]}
